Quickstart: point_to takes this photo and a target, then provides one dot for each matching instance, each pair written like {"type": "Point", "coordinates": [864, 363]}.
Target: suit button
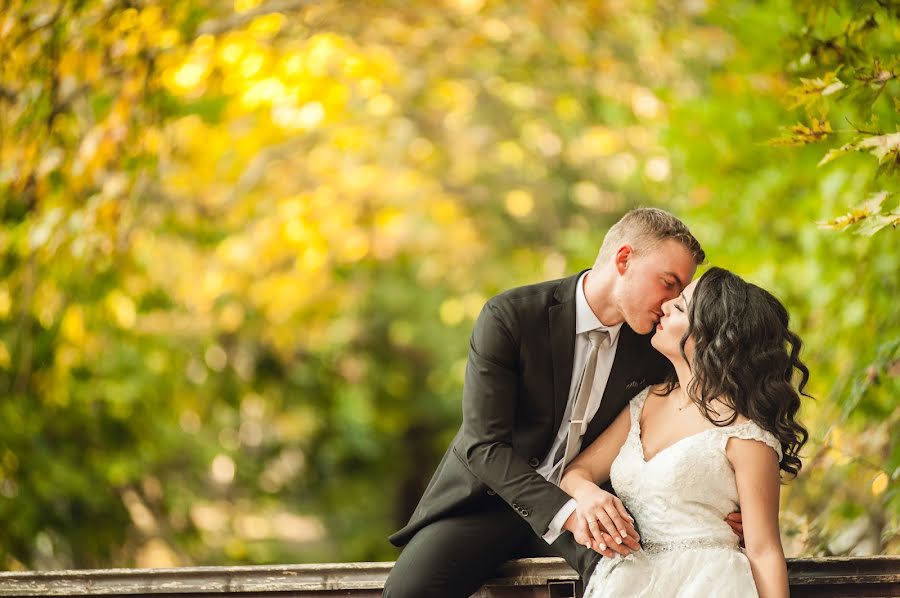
{"type": "Point", "coordinates": [534, 462]}
{"type": "Point", "coordinates": [524, 513]}
{"type": "Point", "coordinates": [491, 492]}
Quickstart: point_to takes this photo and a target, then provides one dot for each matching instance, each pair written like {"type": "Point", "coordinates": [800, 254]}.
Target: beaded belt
{"type": "Point", "coordinates": [688, 544]}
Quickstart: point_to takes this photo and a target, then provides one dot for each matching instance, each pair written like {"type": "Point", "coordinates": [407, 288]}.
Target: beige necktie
{"type": "Point", "coordinates": [582, 397]}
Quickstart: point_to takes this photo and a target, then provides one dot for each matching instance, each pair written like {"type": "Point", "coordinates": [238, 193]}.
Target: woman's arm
{"type": "Point", "coordinates": [758, 484]}
{"type": "Point", "coordinates": [597, 509]}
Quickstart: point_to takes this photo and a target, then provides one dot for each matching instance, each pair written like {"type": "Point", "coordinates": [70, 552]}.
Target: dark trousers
{"type": "Point", "coordinates": [453, 557]}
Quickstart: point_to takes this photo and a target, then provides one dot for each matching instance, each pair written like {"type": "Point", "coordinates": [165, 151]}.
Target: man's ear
{"type": "Point", "coordinates": [622, 258]}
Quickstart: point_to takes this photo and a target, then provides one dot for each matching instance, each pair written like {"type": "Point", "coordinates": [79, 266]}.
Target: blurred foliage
{"type": "Point", "coordinates": [243, 245]}
{"type": "Point", "coordinates": [845, 56]}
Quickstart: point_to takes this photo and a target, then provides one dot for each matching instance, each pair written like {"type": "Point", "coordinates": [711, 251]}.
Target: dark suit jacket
{"type": "Point", "coordinates": [516, 389]}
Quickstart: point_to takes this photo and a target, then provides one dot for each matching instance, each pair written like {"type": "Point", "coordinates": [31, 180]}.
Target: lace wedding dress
{"type": "Point", "coordinates": [679, 500]}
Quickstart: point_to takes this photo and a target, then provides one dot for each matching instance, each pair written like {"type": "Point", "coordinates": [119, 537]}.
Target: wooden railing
{"type": "Point", "coordinates": [526, 578]}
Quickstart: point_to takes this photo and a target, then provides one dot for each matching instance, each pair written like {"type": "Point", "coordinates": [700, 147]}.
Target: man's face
{"type": "Point", "coordinates": [647, 280]}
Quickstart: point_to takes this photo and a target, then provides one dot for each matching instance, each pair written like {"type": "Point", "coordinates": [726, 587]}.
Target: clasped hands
{"type": "Point", "coordinates": [600, 522]}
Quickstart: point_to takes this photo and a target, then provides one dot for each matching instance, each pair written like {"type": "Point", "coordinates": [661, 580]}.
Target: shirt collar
{"type": "Point", "coordinates": [585, 319]}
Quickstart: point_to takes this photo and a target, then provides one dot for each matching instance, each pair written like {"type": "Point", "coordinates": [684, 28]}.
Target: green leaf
{"type": "Point", "coordinates": [876, 222]}
{"type": "Point", "coordinates": [883, 147]}
{"type": "Point", "coordinates": [866, 209]}
{"type": "Point", "coordinates": [838, 152]}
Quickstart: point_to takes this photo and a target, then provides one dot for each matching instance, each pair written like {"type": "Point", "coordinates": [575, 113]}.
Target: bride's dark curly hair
{"type": "Point", "coordinates": [745, 357]}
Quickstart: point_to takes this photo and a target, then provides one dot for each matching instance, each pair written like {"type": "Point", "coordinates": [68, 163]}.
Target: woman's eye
{"type": "Point", "coordinates": [679, 308]}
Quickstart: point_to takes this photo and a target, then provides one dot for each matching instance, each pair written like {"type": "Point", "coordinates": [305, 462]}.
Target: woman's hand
{"type": "Point", "coordinates": [610, 529]}
{"type": "Point", "coordinates": [598, 512]}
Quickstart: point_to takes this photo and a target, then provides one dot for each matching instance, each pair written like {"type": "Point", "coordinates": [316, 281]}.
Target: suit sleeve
{"type": "Point", "coordinates": [490, 398]}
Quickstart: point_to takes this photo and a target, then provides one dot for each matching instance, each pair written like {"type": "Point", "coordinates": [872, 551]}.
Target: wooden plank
{"type": "Point", "coordinates": [196, 580]}
{"type": "Point", "coordinates": [525, 578]}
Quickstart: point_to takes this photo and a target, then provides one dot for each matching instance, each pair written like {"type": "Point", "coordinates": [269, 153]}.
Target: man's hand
{"type": "Point", "coordinates": [737, 524]}
{"type": "Point", "coordinates": [597, 514]}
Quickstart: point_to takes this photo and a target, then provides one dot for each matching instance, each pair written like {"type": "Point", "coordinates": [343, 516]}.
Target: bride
{"type": "Point", "coordinates": [685, 454]}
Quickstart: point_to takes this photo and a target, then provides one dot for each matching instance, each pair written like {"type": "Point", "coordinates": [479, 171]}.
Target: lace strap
{"type": "Point", "coordinates": [637, 406]}
{"type": "Point", "coordinates": [750, 430]}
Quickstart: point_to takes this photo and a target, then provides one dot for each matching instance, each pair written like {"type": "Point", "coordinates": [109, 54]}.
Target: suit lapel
{"type": "Point", "coordinates": [562, 341]}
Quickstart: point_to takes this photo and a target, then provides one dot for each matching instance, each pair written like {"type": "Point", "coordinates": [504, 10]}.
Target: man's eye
{"type": "Point", "coordinates": [669, 284]}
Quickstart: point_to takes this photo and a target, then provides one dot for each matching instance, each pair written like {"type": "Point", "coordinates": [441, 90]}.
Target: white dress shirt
{"type": "Point", "coordinates": [585, 321]}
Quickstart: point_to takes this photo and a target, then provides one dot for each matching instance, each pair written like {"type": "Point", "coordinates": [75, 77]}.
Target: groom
{"type": "Point", "coordinates": [542, 359]}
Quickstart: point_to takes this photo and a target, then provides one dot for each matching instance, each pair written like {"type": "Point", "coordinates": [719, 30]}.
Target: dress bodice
{"type": "Point", "coordinates": [684, 492]}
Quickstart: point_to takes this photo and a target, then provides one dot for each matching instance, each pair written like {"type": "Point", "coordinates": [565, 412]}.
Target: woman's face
{"type": "Point", "coordinates": [673, 325]}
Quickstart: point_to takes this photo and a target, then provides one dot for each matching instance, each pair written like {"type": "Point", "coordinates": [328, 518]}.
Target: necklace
{"type": "Point", "coordinates": [678, 404]}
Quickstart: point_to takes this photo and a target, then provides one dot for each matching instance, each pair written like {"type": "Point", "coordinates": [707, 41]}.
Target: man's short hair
{"type": "Point", "coordinates": [646, 228]}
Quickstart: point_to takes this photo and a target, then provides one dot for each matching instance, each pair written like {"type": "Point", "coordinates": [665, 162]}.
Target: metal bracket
{"type": "Point", "coordinates": [563, 589]}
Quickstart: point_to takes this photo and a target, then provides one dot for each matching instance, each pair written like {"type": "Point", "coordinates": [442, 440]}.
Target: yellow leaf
{"type": "Point", "coordinates": [189, 75]}
{"type": "Point", "coordinates": [128, 19]}
{"type": "Point", "coordinates": [246, 5]}
{"type": "Point", "coordinates": [312, 260]}
{"type": "Point", "coordinates": [879, 484]}
{"type": "Point", "coordinates": [152, 139]}
{"type": "Point", "coordinates": [420, 149]}
{"type": "Point", "coordinates": [380, 105]}
{"type": "Point", "coordinates": [231, 52]}
{"type": "Point", "coordinates": [231, 317]}
{"type": "Point", "coordinates": [355, 247]}
{"type": "Point", "coordinates": [519, 203]}
{"type": "Point", "coordinates": [567, 108]}
{"type": "Point", "coordinates": [510, 153]}
{"type": "Point", "coordinates": [5, 359]}
{"type": "Point", "coordinates": [268, 25]}
{"type": "Point", "coordinates": [252, 63]}
{"type": "Point", "coordinates": [266, 91]}
{"type": "Point", "coordinates": [473, 303]}
{"type": "Point", "coordinates": [292, 65]}
{"type": "Point", "coordinates": [122, 308]}
{"type": "Point", "coordinates": [467, 7]}
{"type": "Point", "coordinates": [72, 326]}
{"type": "Point", "coordinates": [69, 61]}
{"type": "Point", "coordinates": [150, 17]}
{"type": "Point", "coordinates": [452, 311]}
{"type": "Point", "coordinates": [204, 44]}
{"type": "Point", "coordinates": [600, 142]}
{"type": "Point", "coordinates": [92, 63]}
{"type": "Point", "coordinates": [168, 38]}
{"type": "Point", "coordinates": [864, 210]}
{"type": "Point", "coordinates": [810, 91]}
{"type": "Point", "coordinates": [5, 302]}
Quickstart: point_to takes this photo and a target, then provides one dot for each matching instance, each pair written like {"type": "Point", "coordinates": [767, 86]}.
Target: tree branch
{"type": "Point", "coordinates": [859, 130]}
{"type": "Point", "coordinates": [217, 26]}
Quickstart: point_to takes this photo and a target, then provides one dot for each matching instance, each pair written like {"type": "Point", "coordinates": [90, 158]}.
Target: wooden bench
{"type": "Point", "coordinates": [526, 578]}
